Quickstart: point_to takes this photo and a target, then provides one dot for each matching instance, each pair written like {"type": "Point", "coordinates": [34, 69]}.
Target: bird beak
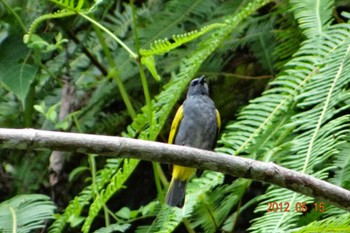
{"type": "Point", "coordinates": [202, 79]}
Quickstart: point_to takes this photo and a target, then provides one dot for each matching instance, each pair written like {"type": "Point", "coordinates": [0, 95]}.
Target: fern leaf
{"type": "Point", "coordinates": [70, 7]}
{"type": "Point", "coordinates": [120, 22]}
{"type": "Point", "coordinates": [58, 14]}
{"type": "Point", "coordinates": [70, 4]}
{"type": "Point", "coordinates": [174, 19]}
{"type": "Point", "coordinates": [314, 16]}
{"type": "Point", "coordinates": [342, 163]}
{"type": "Point", "coordinates": [115, 184]}
{"type": "Point", "coordinates": [114, 228]}
{"type": "Point", "coordinates": [339, 224]}
{"type": "Point", "coordinates": [319, 134]}
{"type": "Point", "coordinates": [25, 213]}
{"type": "Point", "coordinates": [176, 86]}
{"type": "Point", "coordinates": [214, 206]}
{"type": "Point", "coordinates": [169, 218]}
{"type": "Point", "coordinates": [163, 46]}
{"type": "Point", "coordinates": [77, 204]}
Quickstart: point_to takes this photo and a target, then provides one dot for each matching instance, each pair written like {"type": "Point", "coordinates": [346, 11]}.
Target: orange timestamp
{"type": "Point", "coordinates": [298, 207]}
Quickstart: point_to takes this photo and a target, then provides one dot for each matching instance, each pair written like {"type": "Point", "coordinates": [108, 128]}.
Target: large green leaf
{"type": "Point", "coordinates": [15, 75]}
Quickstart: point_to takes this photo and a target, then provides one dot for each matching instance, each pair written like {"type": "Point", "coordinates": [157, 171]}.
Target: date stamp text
{"type": "Point", "coordinates": [298, 207]}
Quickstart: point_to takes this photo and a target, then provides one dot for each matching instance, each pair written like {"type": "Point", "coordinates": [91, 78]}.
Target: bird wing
{"type": "Point", "coordinates": [218, 121]}
{"type": "Point", "coordinates": [175, 124]}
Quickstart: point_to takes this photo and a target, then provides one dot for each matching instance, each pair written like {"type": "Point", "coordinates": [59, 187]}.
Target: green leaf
{"type": "Point", "coordinates": [52, 114]}
{"type": "Point", "coordinates": [124, 213]}
{"type": "Point", "coordinates": [25, 213]}
{"type": "Point", "coordinates": [15, 75]}
{"type": "Point", "coordinates": [17, 78]}
{"type": "Point", "coordinates": [76, 172]}
{"type": "Point", "coordinates": [40, 108]}
{"type": "Point", "coordinates": [38, 43]}
{"type": "Point", "coordinates": [75, 220]}
{"type": "Point", "coordinates": [148, 61]}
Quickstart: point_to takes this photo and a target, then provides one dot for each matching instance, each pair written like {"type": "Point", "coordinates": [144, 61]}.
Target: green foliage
{"type": "Point", "coordinates": [314, 16]}
{"type": "Point", "coordinates": [16, 76]}
{"type": "Point", "coordinates": [300, 121]}
{"type": "Point", "coordinates": [215, 206]}
{"type": "Point", "coordinates": [70, 4]}
{"type": "Point", "coordinates": [342, 164]}
{"type": "Point", "coordinates": [113, 228]}
{"type": "Point", "coordinates": [28, 38]}
{"type": "Point", "coordinates": [169, 218]}
{"type": "Point", "coordinates": [25, 213]}
{"type": "Point", "coordinates": [332, 224]}
{"type": "Point", "coordinates": [160, 47]}
{"type": "Point", "coordinates": [116, 183]}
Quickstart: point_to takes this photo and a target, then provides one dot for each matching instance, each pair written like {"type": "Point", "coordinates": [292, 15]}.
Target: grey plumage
{"type": "Point", "coordinates": [198, 128]}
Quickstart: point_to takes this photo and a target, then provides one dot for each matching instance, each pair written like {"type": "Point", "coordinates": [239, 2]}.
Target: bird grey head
{"type": "Point", "coordinates": [198, 86]}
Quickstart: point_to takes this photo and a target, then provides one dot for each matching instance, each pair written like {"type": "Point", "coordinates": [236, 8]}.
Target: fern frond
{"type": "Point", "coordinates": [288, 43]}
{"type": "Point", "coordinates": [166, 221]}
{"type": "Point", "coordinates": [333, 224]}
{"type": "Point", "coordinates": [169, 218]}
{"type": "Point", "coordinates": [256, 117]}
{"type": "Point", "coordinates": [319, 134]}
{"type": "Point", "coordinates": [173, 90]}
{"type": "Point", "coordinates": [116, 183]}
{"type": "Point", "coordinates": [342, 172]}
{"type": "Point", "coordinates": [70, 7]}
{"type": "Point", "coordinates": [76, 206]}
{"type": "Point", "coordinates": [58, 14]}
{"type": "Point", "coordinates": [25, 213]}
{"type": "Point", "coordinates": [342, 163]}
{"type": "Point", "coordinates": [108, 123]}
{"type": "Point", "coordinates": [114, 228]}
{"type": "Point", "coordinates": [288, 37]}
{"type": "Point", "coordinates": [73, 209]}
{"type": "Point", "coordinates": [120, 22]}
{"type": "Point", "coordinates": [261, 41]}
{"type": "Point", "coordinates": [176, 17]}
{"type": "Point", "coordinates": [314, 16]}
{"type": "Point", "coordinates": [163, 46]}
{"type": "Point", "coordinates": [254, 120]}
{"type": "Point", "coordinates": [212, 210]}
{"type": "Point", "coordinates": [70, 4]}
{"type": "Point", "coordinates": [162, 106]}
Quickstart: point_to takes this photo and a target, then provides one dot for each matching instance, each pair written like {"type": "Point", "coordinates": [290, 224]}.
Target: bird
{"type": "Point", "coordinates": [196, 124]}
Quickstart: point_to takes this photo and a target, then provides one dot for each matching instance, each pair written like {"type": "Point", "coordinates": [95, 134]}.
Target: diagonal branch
{"type": "Point", "coordinates": [186, 156]}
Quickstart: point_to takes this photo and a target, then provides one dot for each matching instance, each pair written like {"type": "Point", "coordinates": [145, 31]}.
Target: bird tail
{"type": "Point", "coordinates": [176, 193]}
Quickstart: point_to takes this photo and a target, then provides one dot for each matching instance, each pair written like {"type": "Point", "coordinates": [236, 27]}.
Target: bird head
{"type": "Point", "coordinates": [198, 86]}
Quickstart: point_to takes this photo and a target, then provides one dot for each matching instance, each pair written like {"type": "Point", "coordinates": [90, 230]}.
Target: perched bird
{"type": "Point", "coordinates": [196, 124]}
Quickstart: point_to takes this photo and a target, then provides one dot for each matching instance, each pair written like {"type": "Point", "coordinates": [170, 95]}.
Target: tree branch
{"type": "Point", "coordinates": [174, 154]}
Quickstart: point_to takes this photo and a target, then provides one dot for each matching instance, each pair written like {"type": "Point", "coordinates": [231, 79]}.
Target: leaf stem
{"type": "Point", "coordinates": [114, 73]}
{"type": "Point", "coordinates": [94, 22]}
